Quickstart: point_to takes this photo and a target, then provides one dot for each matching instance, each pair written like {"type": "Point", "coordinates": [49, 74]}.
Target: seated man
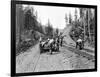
{"type": "Point", "coordinates": [79, 43]}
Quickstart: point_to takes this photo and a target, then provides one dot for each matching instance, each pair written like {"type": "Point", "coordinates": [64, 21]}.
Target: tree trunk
{"type": "Point", "coordinates": [89, 26]}
{"type": "Point", "coordinates": [84, 26]}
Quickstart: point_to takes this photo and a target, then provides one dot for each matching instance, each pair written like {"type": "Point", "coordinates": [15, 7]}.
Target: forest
{"type": "Point", "coordinates": [29, 29]}
{"type": "Point", "coordinates": [84, 26]}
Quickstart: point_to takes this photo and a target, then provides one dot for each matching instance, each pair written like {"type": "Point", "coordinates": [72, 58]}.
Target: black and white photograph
{"type": "Point", "coordinates": [54, 38]}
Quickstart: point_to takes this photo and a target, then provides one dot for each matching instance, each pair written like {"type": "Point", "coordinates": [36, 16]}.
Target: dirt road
{"type": "Point", "coordinates": [33, 61]}
{"type": "Point", "coordinates": [67, 59]}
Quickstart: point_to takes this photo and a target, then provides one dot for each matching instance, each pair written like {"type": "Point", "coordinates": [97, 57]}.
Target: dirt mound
{"type": "Point", "coordinates": [68, 40]}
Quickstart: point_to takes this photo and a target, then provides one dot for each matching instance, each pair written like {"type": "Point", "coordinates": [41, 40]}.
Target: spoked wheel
{"type": "Point", "coordinates": [41, 50]}
{"type": "Point", "coordinates": [58, 49]}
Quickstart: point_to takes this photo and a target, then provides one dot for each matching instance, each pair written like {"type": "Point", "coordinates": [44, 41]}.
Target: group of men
{"type": "Point", "coordinates": [51, 43]}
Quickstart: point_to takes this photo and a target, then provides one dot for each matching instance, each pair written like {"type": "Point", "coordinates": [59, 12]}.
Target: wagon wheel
{"type": "Point", "coordinates": [58, 49]}
{"type": "Point", "coordinates": [41, 50]}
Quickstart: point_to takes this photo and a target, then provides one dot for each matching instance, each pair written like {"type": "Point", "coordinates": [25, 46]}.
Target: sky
{"type": "Point", "coordinates": [56, 15]}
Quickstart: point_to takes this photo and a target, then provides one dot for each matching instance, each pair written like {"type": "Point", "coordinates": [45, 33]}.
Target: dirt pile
{"type": "Point", "coordinates": [68, 40]}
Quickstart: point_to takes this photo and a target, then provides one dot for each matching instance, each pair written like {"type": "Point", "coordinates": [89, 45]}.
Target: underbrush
{"type": "Point", "coordinates": [24, 46]}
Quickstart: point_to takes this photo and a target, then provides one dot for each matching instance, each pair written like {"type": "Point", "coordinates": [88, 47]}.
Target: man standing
{"type": "Point", "coordinates": [61, 40]}
{"type": "Point", "coordinates": [79, 43]}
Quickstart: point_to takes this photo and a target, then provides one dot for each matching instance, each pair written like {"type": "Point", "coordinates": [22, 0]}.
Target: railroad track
{"type": "Point", "coordinates": [79, 52]}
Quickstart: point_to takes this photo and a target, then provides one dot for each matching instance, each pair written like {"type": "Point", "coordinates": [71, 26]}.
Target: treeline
{"type": "Point", "coordinates": [84, 25]}
{"type": "Point", "coordinates": [29, 29]}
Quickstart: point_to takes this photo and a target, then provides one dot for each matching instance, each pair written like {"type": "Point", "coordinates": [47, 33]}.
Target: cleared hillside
{"type": "Point", "coordinates": [68, 40]}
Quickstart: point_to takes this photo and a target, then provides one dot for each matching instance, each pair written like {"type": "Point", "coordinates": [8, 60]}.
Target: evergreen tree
{"type": "Point", "coordinates": [19, 23]}
{"type": "Point", "coordinates": [70, 18]}
{"type": "Point", "coordinates": [49, 29]}
{"type": "Point", "coordinates": [66, 18]}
